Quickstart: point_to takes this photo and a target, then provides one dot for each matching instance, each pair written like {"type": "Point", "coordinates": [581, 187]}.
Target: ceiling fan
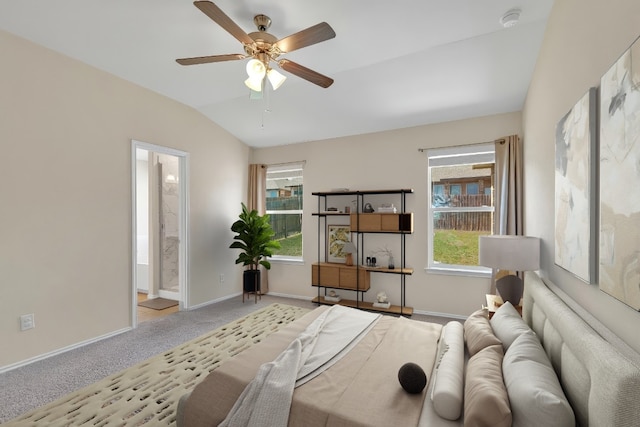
{"type": "Point", "coordinates": [265, 48]}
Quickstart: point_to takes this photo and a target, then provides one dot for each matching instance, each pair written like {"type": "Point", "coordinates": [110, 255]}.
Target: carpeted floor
{"type": "Point", "coordinates": [148, 393]}
{"type": "Point", "coordinates": [39, 383]}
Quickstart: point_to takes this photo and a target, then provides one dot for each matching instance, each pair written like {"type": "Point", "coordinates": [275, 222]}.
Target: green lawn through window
{"type": "Point", "coordinates": [290, 246]}
{"type": "Point", "coordinates": [456, 247]}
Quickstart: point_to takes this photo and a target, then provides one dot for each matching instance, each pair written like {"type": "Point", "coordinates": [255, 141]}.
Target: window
{"type": "Point", "coordinates": [284, 206]}
{"type": "Point", "coordinates": [456, 220]}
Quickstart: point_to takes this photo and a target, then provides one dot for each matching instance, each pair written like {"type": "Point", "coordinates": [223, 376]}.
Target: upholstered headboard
{"type": "Point", "coordinates": [601, 382]}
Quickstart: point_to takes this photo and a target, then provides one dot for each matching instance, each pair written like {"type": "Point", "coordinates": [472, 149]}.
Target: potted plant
{"type": "Point", "coordinates": [254, 237]}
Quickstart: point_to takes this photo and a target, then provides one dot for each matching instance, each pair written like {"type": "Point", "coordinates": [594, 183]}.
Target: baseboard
{"type": "Point", "coordinates": [204, 304]}
{"type": "Point", "coordinates": [25, 362]}
{"type": "Point", "coordinates": [277, 294]}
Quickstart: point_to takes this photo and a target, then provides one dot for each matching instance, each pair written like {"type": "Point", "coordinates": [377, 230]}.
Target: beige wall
{"type": "Point", "coordinates": [65, 197]}
{"type": "Point", "coordinates": [382, 161]}
{"type": "Point", "coordinates": [583, 39]}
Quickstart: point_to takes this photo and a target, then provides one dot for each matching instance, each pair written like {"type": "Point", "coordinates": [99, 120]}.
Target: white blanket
{"type": "Point", "coordinates": [267, 399]}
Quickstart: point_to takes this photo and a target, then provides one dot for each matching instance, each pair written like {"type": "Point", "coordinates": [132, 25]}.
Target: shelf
{"type": "Point", "coordinates": [365, 268]}
{"type": "Point", "coordinates": [393, 309]}
{"type": "Point", "coordinates": [329, 213]}
{"type": "Point", "coordinates": [363, 192]}
{"type": "Point", "coordinates": [356, 278]}
{"type": "Point", "coordinates": [387, 270]}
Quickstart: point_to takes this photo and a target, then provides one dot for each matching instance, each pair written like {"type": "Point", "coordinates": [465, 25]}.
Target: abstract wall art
{"type": "Point", "coordinates": [575, 202]}
{"type": "Point", "coordinates": [619, 266]}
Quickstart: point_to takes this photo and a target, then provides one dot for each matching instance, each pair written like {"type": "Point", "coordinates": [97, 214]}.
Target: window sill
{"type": "Point", "coordinates": [449, 271]}
{"type": "Point", "coordinates": [287, 260]}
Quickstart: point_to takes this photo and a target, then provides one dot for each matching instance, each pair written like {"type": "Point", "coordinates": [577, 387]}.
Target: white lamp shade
{"type": "Point", "coordinates": [275, 78]}
{"type": "Point", "coordinates": [515, 253]}
{"type": "Point", "coordinates": [256, 69]}
{"type": "Point", "coordinates": [254, 83]}
{"type": "Point", "coordinates": [349, 248]}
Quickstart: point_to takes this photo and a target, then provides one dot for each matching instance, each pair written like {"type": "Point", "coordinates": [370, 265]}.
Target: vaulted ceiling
{"type": "Point", "coordinates": [395, 63]}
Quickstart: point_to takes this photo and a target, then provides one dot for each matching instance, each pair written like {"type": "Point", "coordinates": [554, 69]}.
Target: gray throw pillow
{"type": "Point", "coordinates": [507, 324]}
{"type": "Point", "coordinates": [534, 391]}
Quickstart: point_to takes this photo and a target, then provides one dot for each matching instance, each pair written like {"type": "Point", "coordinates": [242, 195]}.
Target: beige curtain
{"type": "Point", "coordinates": [257, 199]}
{"type": "Point", "coordinates": [508, 188]}
{"type": "Point", "coordinates": [508, 191]}
{"type": "Point", "coordinates": [257, 194]}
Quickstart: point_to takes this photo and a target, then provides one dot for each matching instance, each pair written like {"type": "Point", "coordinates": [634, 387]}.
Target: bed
{"type": "Point", "coordinates": [548, 367]}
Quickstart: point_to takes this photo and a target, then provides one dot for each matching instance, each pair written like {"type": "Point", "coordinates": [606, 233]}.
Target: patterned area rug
{"type": "Point", "coordinates": [148, 393]}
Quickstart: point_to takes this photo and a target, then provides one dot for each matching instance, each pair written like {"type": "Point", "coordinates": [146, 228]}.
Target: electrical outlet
{"type": "Point", "coordinates": [27, 321]}
{"type": "Point", "coordinates": [222, 278]}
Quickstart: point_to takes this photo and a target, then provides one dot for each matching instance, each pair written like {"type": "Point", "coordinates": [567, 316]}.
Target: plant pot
{"type": "Point", "coordinates": [251, 281]}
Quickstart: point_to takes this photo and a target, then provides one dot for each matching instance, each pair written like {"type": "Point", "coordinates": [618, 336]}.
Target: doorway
{"type": "Point", "coordinates": [159, 225]}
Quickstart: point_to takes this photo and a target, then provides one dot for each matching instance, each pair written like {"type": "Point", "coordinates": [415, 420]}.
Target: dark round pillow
{"type": "Point", "coordinates": [412, 378]}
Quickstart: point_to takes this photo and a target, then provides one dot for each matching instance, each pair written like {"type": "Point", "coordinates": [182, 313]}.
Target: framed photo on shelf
{"type": "Point", "coordinates": [337, 237]}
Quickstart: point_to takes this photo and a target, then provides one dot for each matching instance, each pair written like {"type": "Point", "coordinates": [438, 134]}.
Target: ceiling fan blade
{"type": "Point", "coordinates": [208, 59]}
{"type": "Point", "coordinates": [219, 17]}
{"type": "Point", "coordinates": [312, 35]}
{"type": "Point", "coordinates": [305, 73]}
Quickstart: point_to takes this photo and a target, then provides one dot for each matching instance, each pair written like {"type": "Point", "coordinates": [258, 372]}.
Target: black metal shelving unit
{"type": "Point", "coordinates": [359, 261]}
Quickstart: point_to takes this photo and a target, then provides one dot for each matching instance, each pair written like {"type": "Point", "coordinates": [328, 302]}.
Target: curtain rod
{"type": "Point", "coordinates": [500, 140]}
{"type": "Point", "coordinates": [302, 162]}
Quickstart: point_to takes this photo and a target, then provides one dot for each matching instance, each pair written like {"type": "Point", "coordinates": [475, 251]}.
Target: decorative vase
{"type": "Point", "coordinates": [391, 262]}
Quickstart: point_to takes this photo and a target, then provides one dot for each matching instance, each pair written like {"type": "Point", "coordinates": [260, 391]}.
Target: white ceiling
{"type": "Point", "coordinates": [395, 63]}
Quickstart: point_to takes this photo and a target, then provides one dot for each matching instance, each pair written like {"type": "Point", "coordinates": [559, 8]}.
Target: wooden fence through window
{"type": "Point", "coordinates": [285, 225]}
{"type": "Point", "coordinates": [463, 221]}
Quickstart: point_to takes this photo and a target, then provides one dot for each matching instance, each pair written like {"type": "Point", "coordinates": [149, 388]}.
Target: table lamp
{"type": "Point", "coordinates": [513, 253]}
{"type": "Point", "coordinates": [349, 248]}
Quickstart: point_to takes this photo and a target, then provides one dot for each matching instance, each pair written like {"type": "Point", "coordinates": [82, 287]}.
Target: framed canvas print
{"type": "Point", "coordinates": [619, 266]}
{"type": "Point", "coordinates": [575, 202]}
{"type": "Point", "coordinates": [337, 236]}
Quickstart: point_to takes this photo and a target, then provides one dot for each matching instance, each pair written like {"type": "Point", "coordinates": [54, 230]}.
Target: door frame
{"type": "Point", "coordinates": [183, 224]}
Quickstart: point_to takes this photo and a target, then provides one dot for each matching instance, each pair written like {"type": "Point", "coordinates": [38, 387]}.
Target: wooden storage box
{"type": "Point", "coordinates": [382, 222]}
{"type": "Point", "coordinates": [340, 276]}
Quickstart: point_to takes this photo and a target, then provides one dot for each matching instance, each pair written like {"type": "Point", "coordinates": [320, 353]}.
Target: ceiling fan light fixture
{"type": "Point", "coordinates": [256, 69]}
{"type": "Point", "coordinates": [275, 78]}
{"type": "Point", "coordinates": [253, 95]}
{"type": "Point", "coordinates": [254, 83]}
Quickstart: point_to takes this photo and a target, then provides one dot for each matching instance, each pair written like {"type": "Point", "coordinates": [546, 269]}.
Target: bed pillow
{"type": "Point", "coordinates": [507, 324]}
{"type": "Point", "coordinates": [447, 392]}
{"type": "Point", "coordinates": [478, 333]}
{"type": "Point", "coordinates": [486, 402]}
{"type": "Point", "coordinates": [534, 391]}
